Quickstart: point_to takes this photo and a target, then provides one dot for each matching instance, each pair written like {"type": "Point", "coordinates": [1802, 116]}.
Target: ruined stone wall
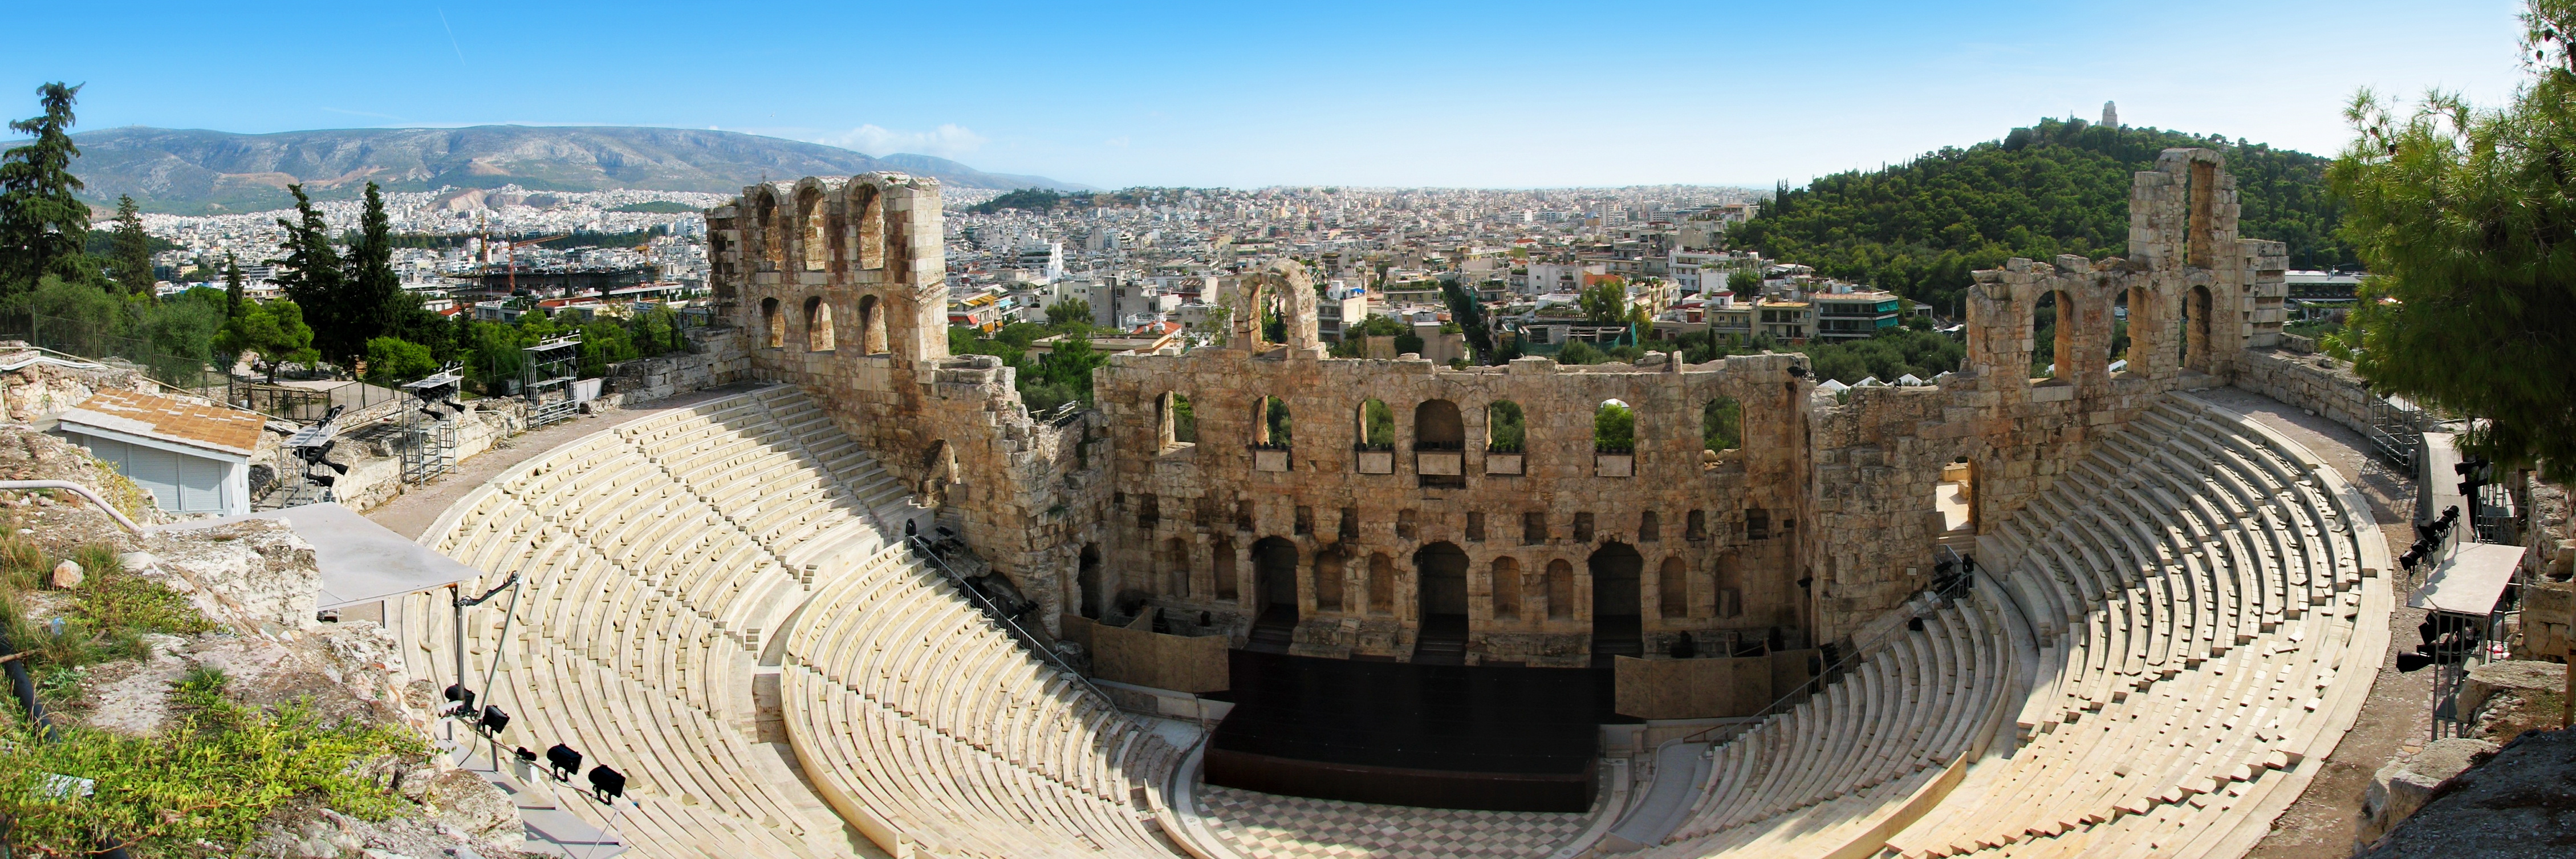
{"type": "Point", "coordinates": [840, 285]}
{"type": "Point", "coordinates": [2316, 383]}
{"type": "Point", "coordinates": [1817, 524]}
{"type": "Point", "coordinates": [1373, 511]}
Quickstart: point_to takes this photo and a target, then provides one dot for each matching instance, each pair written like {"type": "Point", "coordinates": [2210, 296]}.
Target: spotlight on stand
{"type": "Point", "coordinates": [607, 784]}
{"type": "Point", "coordinates": [564, 761]}
{"type": "Point", "coordinates": [463, 697]}
{"type": "Point", "coordinates": [494, 720]}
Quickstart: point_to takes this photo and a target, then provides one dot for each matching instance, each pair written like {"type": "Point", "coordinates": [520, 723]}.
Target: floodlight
{"type": "Point", "coordinates": [564, 760]}
{"type": "Point", "coordinates": [493, 721]}
{"type": "Point", "coordinates": [607, 783]}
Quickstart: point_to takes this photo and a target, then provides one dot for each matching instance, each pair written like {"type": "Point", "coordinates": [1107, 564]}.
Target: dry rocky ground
{"type": "Point", "coordinates": [255, 582]}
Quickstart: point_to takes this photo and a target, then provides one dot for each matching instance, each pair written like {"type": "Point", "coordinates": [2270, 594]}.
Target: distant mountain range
{"type": "Point", "coordinates": [194, 172]}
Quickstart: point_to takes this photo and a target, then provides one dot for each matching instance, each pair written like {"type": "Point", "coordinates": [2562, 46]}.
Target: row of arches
{"type": "Point", "coordinates": [820, 229]}
{"type": "Point", "coordinates": [1439, 425]}
{"type": "Point", "coordinates": [2132, 326]}
{"type": "Point", "coordinates": [820, 334]}
{"type": "Point", "coordinates": [1357, 584]}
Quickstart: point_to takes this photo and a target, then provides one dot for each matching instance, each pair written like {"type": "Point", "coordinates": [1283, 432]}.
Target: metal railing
{"type": "Point", "coordinates": [934, 554]}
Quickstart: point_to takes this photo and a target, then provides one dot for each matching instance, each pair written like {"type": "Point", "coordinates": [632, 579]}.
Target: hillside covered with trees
{"type": "Point", "coordinates": [2059, 187]}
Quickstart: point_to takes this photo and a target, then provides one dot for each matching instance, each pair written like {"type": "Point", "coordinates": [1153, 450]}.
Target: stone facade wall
{"type": "Point", "coordinates": [1817, 524]}
{"type": "Point", "coordinates": [2322, 385]}
{"type": "Point", "coordinates": [716, 357]}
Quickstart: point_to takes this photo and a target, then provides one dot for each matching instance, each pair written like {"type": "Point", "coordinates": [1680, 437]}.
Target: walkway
{"type": "Point", "coordinates": [411, 512]}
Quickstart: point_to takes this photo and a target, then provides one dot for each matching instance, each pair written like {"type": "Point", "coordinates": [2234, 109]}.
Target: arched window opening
{"type": "Point", "coordinates": [1956, 499]}
{"type": "Point", "coordinates": [1087, 579]}
{"type": "Point", "coordinates": [817, 234]}
{"type": "Point", "coordinates": [1179, 425]}
{"type": "Point", "coordinates": [1614, 428]}
{"type": "Point", "coordinates": [2204, 197]}
{"type": "Point", "coordinates": [1439, 444]}
{"type": "Point", "coordinates": [1695, 526]}
{"type": "Point", "coordinates": [773, 238]}
{"type": "Point", "coordinates": [1506, 584]}
{"type": "Point", "coordinates": [1270, 423]}
{"type": "Point", "coordinates": [2043, 337]}
{"type": "Point", "coordinates": [1376, 426]}
{"type": "Point", "coordinates": [872, 325]}
{"type": "Point", "coordinates": [1672, 588]}
{"type": "Point", "coordinates": [1176, 559]}
{"type": "Point", "coordinates": [1328, 580]}
{"type": "Point", "coordinates": [1227, 590]}
{"type": "Point", "coordinates": [771, 332]}
{"type": "Point", "coordinates": [818, 325]}
{"type": "Point", "coordinates": [1381, 583]}
{"type": "Point", "coordinates": [1437, 426]}
{"type": "Point", "coordinates": [1506, 430]}
{"type": "Point", "coordinates": [865, 208]}
{"type": "Point", "coordinates": [1650, 527]}
{"type": "Point", "coordinates": [1721, 430]}
{"type": "Point", "coordinates": [2198, 308]}
{"type": "Point", "coordinates": [1560, 589]}
{"type": "Point", "coordinates": [2118, 354]}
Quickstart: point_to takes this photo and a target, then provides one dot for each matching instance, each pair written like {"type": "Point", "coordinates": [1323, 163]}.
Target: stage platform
{"type": "Point", "coordinates": [1440, 736]}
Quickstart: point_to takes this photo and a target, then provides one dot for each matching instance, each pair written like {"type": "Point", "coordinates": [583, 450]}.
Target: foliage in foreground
{"type": "Point", "coordinates": [200, 788]}
{"type": "Point", "coordinates": [2463, 215]}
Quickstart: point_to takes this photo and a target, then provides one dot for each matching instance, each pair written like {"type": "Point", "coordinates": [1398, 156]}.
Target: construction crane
{"type": "Point", "coordinates": [511, 251]}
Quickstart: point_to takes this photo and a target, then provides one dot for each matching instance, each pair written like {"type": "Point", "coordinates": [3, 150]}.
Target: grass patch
{"type": "Point", "coordinates": [198, 789]}
{"type": "Point", "coordinates": [106, 617]}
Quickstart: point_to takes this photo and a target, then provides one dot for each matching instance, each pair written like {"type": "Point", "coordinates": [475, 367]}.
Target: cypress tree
{"type": "Point", "coordinates": [375, 291]}
{"type": "Point", "coordinates": [2463, 214]}
{"type": "Point", "coordinates": [232, 287]}
{"type": "Point", "coordinates": [133, 260]}
{"type": "Point", "coordinates": [311, 276]}
{"type": "Point", "coordinates": [43, 227]}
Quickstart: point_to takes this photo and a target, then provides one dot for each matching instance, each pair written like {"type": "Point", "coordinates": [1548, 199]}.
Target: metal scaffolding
{"type": "Point", "coordinates": [428, 434]}
{"type": "Point", "coordinates": [548, 371]}
{"type": "Point", "coordinates": [2397, 432]}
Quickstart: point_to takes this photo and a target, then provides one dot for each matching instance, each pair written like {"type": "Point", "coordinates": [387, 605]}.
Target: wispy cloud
{"type": "Point", "coordinates": [1119, 141]}
{"type": "Point", "coordinates": [946, 141]}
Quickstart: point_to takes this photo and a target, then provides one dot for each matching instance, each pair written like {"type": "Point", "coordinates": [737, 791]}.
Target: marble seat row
{"type": "Point", "coordinates": [1821, 773]}
{"type": "Point", "coordinates": [932, 725]}
{"type": "Point", "coordinates": [645, 599]}
{"type": "Point", "coordinates": [2209, 616]}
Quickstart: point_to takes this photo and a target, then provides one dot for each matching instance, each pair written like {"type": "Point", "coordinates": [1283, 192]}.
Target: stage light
{"type": "Point", "coordinates": [493, 721]}
{"type": "Point", "coordinates": [524, 754]}
{"type": "Point", "coordinates": [463, 697]}
{"type": "Point", "coordinates": [564, 760]}
{"type": "Point", "coordinates": [607, 783]}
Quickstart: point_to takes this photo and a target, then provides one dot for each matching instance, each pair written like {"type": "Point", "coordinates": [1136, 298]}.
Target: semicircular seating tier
{"type": "Point", "coordinates": [2162, 648]}
{"type": "Point", "coordinates": [670, 563]}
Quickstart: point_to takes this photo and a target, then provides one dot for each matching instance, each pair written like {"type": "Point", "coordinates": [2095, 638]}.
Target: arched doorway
{"type": "Point", "coordinates": [1617, 626]}
{"type": "Point", "coordinates": [2197, 308]}
{"type": "Point", "coordinates": [1440, 586]}
{"type": "Point", "coordinates": [1439, 444]}
{"type": "Point", "coordinates": [1087, 579]}
{"type": "Point", "coordinates": [1274, 593]}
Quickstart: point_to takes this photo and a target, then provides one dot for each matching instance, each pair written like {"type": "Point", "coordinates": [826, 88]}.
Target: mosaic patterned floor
{"type": "Point", "coordinates": [1264, 826]}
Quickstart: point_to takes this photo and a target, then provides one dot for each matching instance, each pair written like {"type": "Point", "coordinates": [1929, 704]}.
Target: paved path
{"type": "Point", "coordinates": [2326, 819]}
{"type": "Point", "coordinates": [411, 513]}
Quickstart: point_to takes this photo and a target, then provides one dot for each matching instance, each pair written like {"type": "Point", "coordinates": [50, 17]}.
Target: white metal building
{"type": "Point", "coordinates": [193, 458]}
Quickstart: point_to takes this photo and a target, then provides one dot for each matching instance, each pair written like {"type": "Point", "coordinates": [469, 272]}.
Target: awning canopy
{"type": "Point", "coordinates": [361, 561]}
{"type": "Point", "coordinates": [2470, 581]}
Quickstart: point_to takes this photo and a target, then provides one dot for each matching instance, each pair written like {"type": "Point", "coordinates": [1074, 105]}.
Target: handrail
{"type": "Point", "coordinates": [83, 491]}
{"type": "Point", "coordinates": [922, 548]}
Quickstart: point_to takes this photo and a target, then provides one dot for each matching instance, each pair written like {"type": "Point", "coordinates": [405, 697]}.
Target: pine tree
{"type": "Point", "coordinates": [232, 287]}
{"type": "Point", "coordinates": [311, 276]}
{"type": "Point", "coordinates": [2463, 215]}
{"type": "Point", "coordinates": [133, 260]}
{"type": "Point", "coordinates": [43, 227]}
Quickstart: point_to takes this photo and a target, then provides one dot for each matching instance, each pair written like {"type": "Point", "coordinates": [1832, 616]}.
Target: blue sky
{"type": "Point", "coordinates": [1483, 94]}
